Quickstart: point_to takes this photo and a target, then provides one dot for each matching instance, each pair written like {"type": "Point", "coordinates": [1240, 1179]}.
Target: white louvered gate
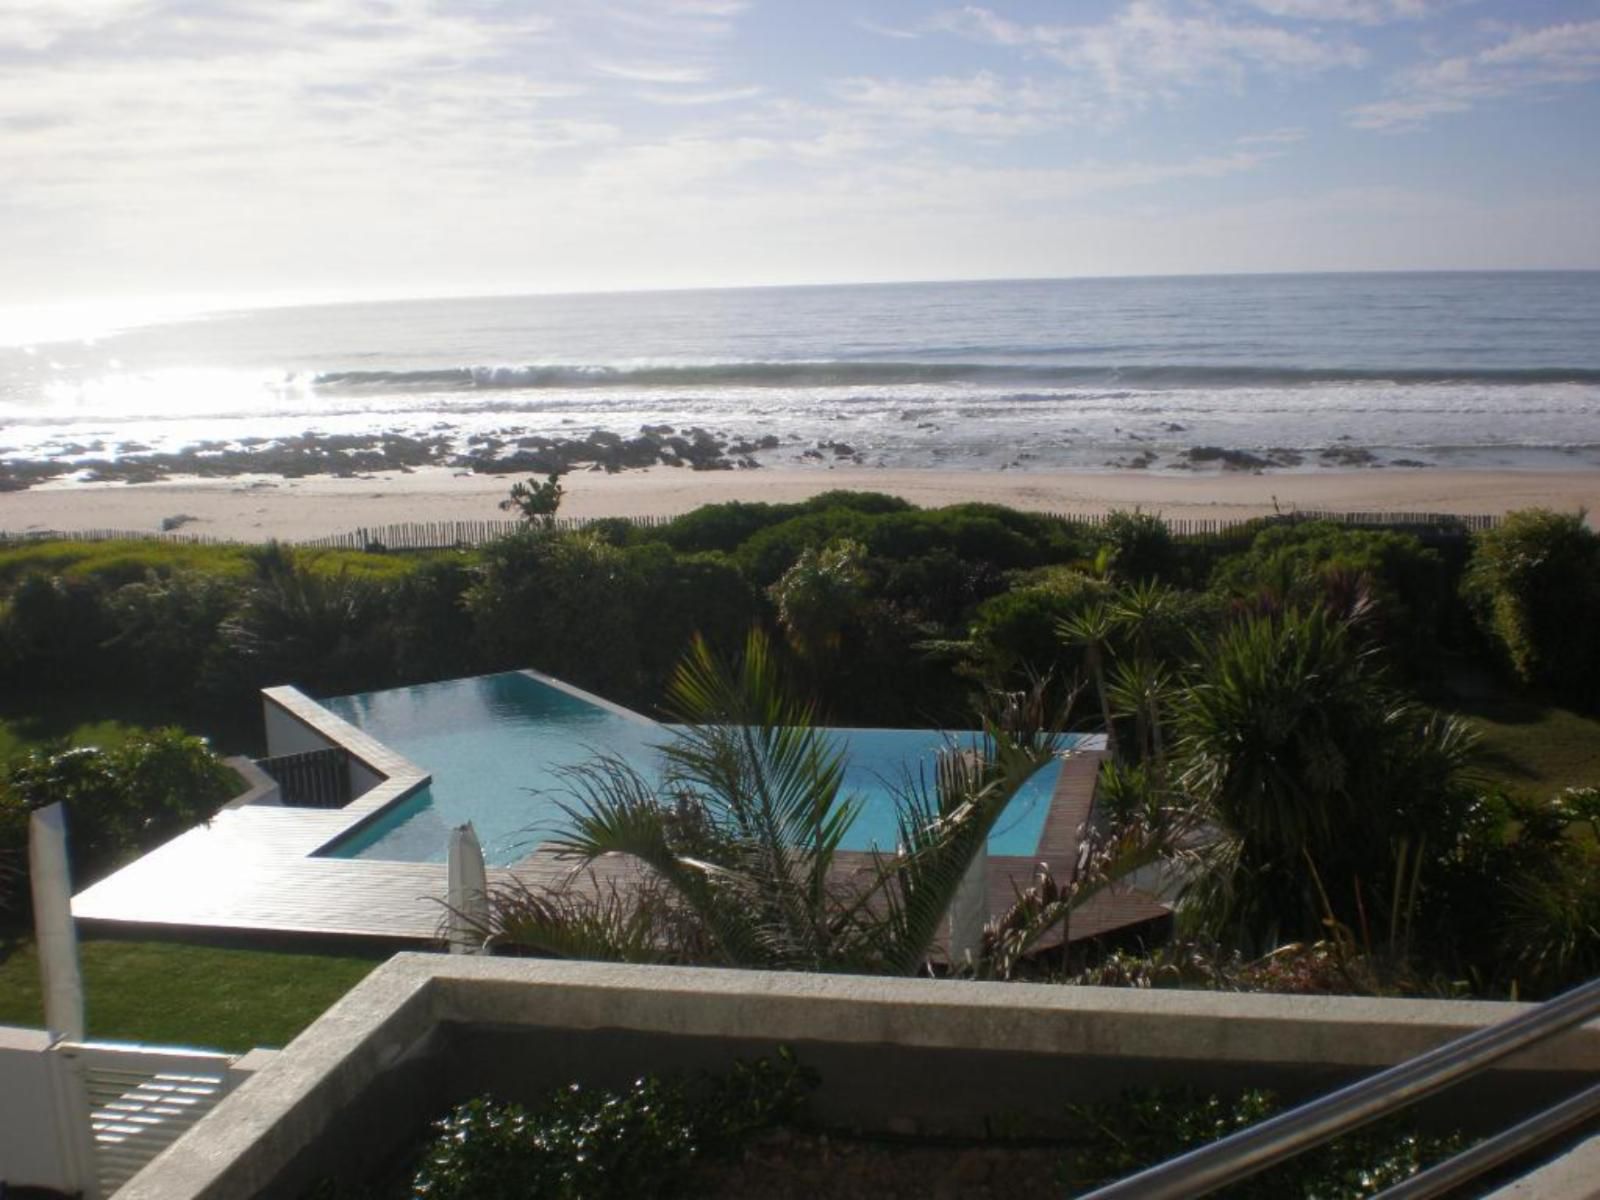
{"type": "Point", "coordinates": [140, 1100]}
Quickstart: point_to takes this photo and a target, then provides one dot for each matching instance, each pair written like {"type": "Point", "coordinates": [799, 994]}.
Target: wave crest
{"type": "Point", "coordinates": [888, 374]}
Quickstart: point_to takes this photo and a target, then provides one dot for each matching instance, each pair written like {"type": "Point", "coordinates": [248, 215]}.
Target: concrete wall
{"type": "Point", "coordinates": [36, 1150]}
{"type": "Point", "coordinates": [426, 1030]}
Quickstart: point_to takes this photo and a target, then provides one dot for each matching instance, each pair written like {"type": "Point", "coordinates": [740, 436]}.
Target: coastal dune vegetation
{"type": "Point", "coordinates": [1331, 733]}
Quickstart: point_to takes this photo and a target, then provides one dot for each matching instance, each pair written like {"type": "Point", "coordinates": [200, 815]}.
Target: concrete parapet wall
{"type": "Point", "coordinates": [425, 1031]}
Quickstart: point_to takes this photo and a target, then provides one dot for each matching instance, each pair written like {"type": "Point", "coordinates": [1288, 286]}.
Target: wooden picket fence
{"type": "Point", "coordinates": [443, 535]}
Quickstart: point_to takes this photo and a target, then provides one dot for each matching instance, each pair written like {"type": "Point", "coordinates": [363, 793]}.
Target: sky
{"type": "Point", "coordinates": [316, 149]}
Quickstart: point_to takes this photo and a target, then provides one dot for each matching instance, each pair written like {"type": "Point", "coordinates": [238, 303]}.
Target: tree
{"type": "Point", "coordinates": [818, 596]}
{"type": "Point", "coordinates": [536, 502]}
{"type": "Point", "coordinates": [1536, 584]}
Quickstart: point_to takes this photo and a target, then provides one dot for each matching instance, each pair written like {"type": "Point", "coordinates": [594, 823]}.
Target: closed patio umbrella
{"type": "Point", "coordinates": [468, 897]}
{"type": "Point", "coordinates": [52, 920]}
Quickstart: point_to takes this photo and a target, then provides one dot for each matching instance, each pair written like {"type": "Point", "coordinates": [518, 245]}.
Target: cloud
{"type": "Point", "coordinates": [981, 105]}
{"type": "Point", "coordinates": [36, 25]}
{"type": "Point", "coordinates": [700, 99]}
{"type": "Point", "coordinates": [1287, 136]}
{"type": "Point", "coordinates": [888, 31]}
{"type": "Point", "coordinates": [653, 72]}
{"type": "Point", "coordinates": [1146, 52]}
{"type": "Point", "coordinates": [1523, 62]}
{"type": "Point", "coordinates": [1360, 12]}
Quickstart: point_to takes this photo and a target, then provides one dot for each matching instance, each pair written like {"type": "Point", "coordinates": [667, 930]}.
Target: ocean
{"type": "Point", "coordinates": [1292, 372]}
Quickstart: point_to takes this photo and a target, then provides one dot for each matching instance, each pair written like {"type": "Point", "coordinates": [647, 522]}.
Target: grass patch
{"type": "Point", "coordinates": [173, 993]}
{"type": "Point", "coordinates": [117, 562]}
{"type": "Point", "coordinates": [18, 735]}
{"type": "Point", "coordinates": [110, 716]}
{"type": "Point", "coordinates": [1533, 749]}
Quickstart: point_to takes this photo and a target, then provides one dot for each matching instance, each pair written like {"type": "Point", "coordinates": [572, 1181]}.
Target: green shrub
{"type": "Point", "coordinates": [1142, 546]}
{"type": "Point", "coordinates": [52, 629]}
{"type": "Point", "coordinates": [595, 1144]}
{"type": "Point", "coordinates": [118, 801]}
{"type": "Point", "coordinates": [726, 527]}
{"type": "Point", "coordinates": [1514, 899]}
{"type": "Point", "coordinates": [433, 634]}
{"type": "Point", "coordinates": [1535, 584]}
{"type": "Point", "coordinates": [325, 633]}
{"type": "Point", "coordinates": [1145, 1128]}
{"type": "Point", "coordinates": [676, 597]}
{"type": "Point", "coordinates": [1015, 633]}
{"type": "Point", "coordinates": [1401, 590]}
{"type": "Point", "coordinates": [165, 628]}
{"type": "Point", "coordinates": [614, 619]}
{"type": "Point", "coordinates": [821, 592]}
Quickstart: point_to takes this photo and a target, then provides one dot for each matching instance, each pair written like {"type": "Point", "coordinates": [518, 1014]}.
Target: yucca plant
{"type": "Point", "coordinates": [742, 836]}
{"type": "Point", "coordinates": [1304, 764]}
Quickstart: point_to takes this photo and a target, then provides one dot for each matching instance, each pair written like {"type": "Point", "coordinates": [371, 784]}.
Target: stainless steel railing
{"type": "Point", "coordinates": [1252, 1150]}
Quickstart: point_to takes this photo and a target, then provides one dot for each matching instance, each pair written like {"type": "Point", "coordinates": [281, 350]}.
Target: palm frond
{"type": "Point", "coordinates": [584, 918]}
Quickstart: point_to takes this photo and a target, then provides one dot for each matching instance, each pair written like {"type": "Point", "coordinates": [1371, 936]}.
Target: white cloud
{"type": "Point", "coordinates": [888, 31]}
{"type": "Point", "coordinates": [652, 72]}
{"type": "Point", "coordinates": [1361, 12]}
{"type": "Point", "coordinates": [1145, 51]}
{"type": "Point", "coordinates": [36, 25]}
{"type": "Point", "coordinates": [1287, 136]}
{"type": "Point", "coordinates": [1523, 62]}
{"type": "Point", "coordinates": [981, 105]}
{"type": "Point", "coordinates": [700, 99]}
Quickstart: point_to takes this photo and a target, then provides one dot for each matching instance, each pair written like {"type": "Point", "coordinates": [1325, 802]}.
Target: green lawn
{"type": "Point", "coordinates": [171, 993]}
{"type": "Point", "coordinates": [18, 735]}
{"type": "Point", "coordinates": [1536, 749]}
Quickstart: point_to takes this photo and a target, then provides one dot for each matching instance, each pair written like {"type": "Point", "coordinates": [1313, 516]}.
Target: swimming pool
{"type": "Point", "coordinates": [496, 745]}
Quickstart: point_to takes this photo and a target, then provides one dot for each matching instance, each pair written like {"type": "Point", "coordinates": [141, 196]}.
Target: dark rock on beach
{"type": "Point", "coordinates": [1348, 456]}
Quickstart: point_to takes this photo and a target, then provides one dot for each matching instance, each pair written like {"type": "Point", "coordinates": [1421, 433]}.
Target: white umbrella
{"type": "Point", "coordinates": [52, 923]}
{"type": "Point", "coordinates": [468, 898]}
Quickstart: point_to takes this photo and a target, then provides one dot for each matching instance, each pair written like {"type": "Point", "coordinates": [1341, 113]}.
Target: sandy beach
{"type": "Point", "coordinates": [250, 508]}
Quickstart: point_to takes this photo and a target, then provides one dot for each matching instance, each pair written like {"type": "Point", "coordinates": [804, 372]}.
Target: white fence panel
{"type": "Point", "coordinates": [141, 1100]}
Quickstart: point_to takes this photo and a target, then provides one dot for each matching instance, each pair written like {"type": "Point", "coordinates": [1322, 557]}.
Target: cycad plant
{"type": "Point", "coordinates": [742, 837]}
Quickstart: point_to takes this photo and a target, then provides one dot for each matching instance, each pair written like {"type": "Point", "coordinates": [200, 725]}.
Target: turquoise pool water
{"type": "Point", "coordinates": [495, 746]}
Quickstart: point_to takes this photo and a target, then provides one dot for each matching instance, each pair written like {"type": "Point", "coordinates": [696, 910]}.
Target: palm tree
{"type": "Point", "coordinates": [1093, 629]}
{"type": "Point", "coordinates": [742, 836]}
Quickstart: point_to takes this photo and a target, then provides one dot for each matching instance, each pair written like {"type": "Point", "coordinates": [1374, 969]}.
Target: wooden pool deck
{"type": "Point", "coordinates": [255, 867]}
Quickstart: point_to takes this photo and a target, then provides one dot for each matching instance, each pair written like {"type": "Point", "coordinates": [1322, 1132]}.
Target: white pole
{"type": "Point", "coordinates": [969, 911]}
{"type": "Point", "coordinates": [468, 887]}
{"type": "Point", "coordinates": [52, 923]}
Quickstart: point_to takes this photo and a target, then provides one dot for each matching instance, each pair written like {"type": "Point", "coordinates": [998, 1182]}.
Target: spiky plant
{"type": "Point", "coordinates": [1306, 768]}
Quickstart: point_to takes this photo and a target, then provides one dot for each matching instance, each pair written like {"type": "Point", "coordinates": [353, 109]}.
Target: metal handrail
{"type": "Point", "coordinates": [1501, 1148]}
{"type": "Point", "coordinates": [1264, 1145]}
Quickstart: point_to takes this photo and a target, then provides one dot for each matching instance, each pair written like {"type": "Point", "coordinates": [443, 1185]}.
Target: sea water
{"type": "Point", "coordinates": [1449, 369]}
